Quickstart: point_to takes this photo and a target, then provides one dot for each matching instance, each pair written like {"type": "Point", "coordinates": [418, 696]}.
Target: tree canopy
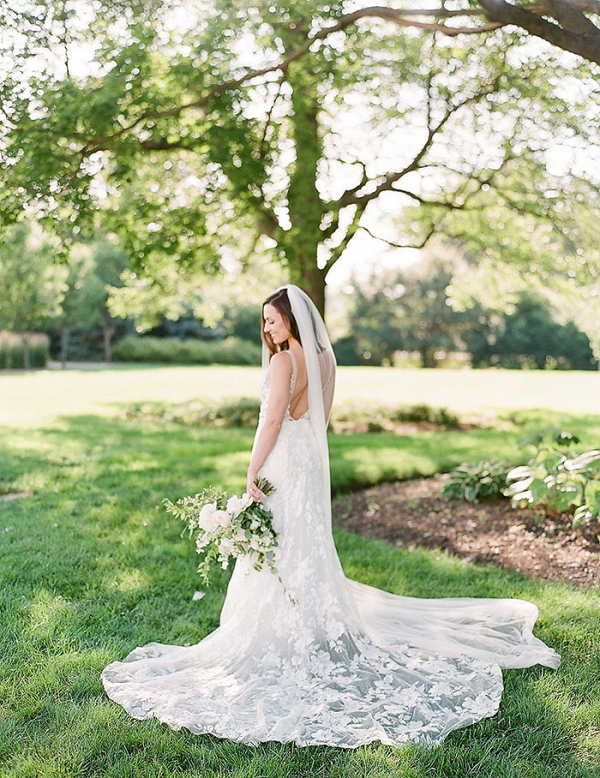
{"type": "Point", "coordinates": [209, 129]}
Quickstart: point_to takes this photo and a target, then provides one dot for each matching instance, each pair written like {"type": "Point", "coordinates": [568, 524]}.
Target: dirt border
{"type": "Point", "coordinates": [414, 513]}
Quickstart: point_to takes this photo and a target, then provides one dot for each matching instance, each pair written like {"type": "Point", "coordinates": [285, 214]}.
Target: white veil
{"type": "Point", "coordinates": [320, 368]}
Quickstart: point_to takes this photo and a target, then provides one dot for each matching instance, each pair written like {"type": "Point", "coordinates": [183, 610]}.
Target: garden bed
{"type": "Point", "coordinates": [414, 513]}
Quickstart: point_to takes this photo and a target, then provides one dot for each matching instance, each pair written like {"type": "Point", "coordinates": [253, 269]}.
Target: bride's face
{"type": "Point", "coordinates": [275, 325]}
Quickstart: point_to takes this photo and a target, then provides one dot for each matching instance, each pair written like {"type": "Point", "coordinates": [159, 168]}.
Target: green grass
{"type": "Point", "coordinates": [92, 568]}
{"type": "Point", "coordinates": [38, 397]}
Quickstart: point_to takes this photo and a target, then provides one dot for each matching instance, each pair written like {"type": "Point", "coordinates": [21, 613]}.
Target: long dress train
{"type": "Point", "coordinates": [345, 664]}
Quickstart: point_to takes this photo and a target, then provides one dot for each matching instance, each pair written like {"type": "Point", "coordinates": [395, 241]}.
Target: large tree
{"type": "Point", "coordinates": [287, 120]}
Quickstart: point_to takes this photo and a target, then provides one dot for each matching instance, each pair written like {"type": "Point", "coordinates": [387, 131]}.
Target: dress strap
{"type": "Point", "coordinates": [294, 371]}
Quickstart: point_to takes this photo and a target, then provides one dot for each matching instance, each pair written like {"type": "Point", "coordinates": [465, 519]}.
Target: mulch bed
{"type": "Point", "coordinates": [414, 513]}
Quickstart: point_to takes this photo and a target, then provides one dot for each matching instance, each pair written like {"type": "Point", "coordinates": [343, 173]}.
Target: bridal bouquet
{"type": "Point", "coordinates": [228, 527]}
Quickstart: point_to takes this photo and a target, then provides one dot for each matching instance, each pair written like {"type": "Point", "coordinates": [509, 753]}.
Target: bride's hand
{"type": "Point", "coordinates": [251, 488]}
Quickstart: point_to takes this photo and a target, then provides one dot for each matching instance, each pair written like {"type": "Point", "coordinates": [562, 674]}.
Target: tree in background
{"type": "Point", "coordinates": [571, 25]}
{"type": "Point", "coordinates": [32, 286]}
{"type": "Point", "coordinates": [530, 336]}
{"type": "Point", "coordinates": [185, 145]}
{"type": "Point", "coordinates": [110, 264]}
{"type": "Point", "coordinates": [92, 269]}
{"type": "Point", "coordinates": [75, 310]}
{"type": "Point", "coordinates": [407, 310]}
{"type": "Point", "coordinates": [245, 322]}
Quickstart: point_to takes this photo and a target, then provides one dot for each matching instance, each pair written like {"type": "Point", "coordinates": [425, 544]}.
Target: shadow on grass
{"type": "Point", "coordinates": [93, 570]}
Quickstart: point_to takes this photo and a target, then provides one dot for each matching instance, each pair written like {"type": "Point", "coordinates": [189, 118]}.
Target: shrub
{"type": "Point", "coordinates": [382, 418]}
{"type": "Point", "coordinates": [243, 412]}
{"type": "Point", "coordinates": [559, 482]}
{"type": "Point", "coordinates": [347, 352]}
{"type": "Point", "coordinates": [233, 412]}
{"type": "Point", "coordinates": [230, 351]}
{"type": "Point", "coordinates": [477, 481]}
{"type": "Point", "coordinates": [11, 350]}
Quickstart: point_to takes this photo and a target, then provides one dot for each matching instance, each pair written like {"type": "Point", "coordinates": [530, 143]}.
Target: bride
{"type": "Point", "coordinates": [338, 663]}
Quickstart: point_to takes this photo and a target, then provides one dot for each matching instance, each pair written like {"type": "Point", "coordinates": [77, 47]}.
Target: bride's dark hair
{"type": "Point", "coordinates": [281, 302]}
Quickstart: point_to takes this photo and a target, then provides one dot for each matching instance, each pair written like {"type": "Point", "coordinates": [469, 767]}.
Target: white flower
{"type": "Point", "coordinates": [206, 517]}
{"type": "Point", "coordinates": [222, 518]}
{"type": "Point", "coordinates": [201, 542]}
{"type": "Point", "coordinates": [255, 543]}
{"type": "Point", "coordinates": [240, 535]}
{"type": "Point", "coordinates": [236, 505]}
{"type": "Point", "coordinates": [255, 524]}
{"type": "Point", "coordinates": [226, 546]}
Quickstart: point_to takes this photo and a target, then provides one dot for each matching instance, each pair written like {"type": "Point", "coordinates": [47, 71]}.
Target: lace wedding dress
{"type": "Point", "coordinates": [345, 664]}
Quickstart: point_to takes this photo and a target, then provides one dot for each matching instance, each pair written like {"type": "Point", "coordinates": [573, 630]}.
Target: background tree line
{"type": "Point", "coordinates": [392, 316]}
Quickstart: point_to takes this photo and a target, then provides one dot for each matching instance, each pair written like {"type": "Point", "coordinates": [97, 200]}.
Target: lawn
{"type": "Point", "coordinates": [39, 396]}
{"type": "Point", "coordinates": [92, 567]}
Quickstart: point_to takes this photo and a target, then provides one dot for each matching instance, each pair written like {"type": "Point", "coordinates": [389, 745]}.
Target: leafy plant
{"type": "Point", "coordinates": [559, 482]}
{"type": "Point", "coordinates": [476, 481]}
{"type": "Point", "coordinates": [550, 479]}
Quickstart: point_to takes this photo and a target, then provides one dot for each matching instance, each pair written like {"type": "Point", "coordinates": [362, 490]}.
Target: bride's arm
{"type": "Point", "coordinates": [280, 372]}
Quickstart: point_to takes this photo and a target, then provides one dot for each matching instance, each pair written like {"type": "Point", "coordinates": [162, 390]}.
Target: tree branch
{"type": "Point", "coordinates": [570, 17]}
{"type": "Point", "coordinates": [400, 245]}
{"type": "Point", "coordinates": [266, 220]}
{"type": "Point", "coordinates": [438, 203]}
{"type": "Point", "coordinates": [586, 45]}
{"type": "Point", "coordinates": [337, 252]}
{"type": "Point", "coordinates": [263, 140]}
{"type": "Point", "coordinates": [350, 197]}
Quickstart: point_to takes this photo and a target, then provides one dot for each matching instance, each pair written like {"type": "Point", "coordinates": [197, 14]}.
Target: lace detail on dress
{"type": "Point", "coordinates": [347, 664]}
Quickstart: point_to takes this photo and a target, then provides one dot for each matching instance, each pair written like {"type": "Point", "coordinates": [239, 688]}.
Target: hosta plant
{"type": "Point", "coordinates": [560, 482]}
{"type": "Point", "coordinates": [475, 481]}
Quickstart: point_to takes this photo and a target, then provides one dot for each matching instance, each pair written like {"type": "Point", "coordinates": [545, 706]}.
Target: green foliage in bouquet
{"type": "Point", "coordinates": [475, 481]}
{"type": "Point", "coordinates": [227, 527]}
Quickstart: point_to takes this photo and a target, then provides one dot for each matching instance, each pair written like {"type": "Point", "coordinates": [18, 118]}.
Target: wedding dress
{"type": "Point", "coordinates": [343, 664]}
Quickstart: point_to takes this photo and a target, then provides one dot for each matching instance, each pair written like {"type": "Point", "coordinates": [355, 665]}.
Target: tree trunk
{"type": "Point", "coordinates": [64, 346]}
{"type": "Point", "coordinates": [312, 280]}
{"type": "Point", "coordinates": [26, 353]}
{"type": "Point", "coordinates": [109, 330]}
{"type": "Point", "coordinates": [304, 202]}
{"type": "Point", "coordinates": [427, 356]}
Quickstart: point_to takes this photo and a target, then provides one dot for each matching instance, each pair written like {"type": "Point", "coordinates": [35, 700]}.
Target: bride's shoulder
{"type": "Point", "coordinates": [281, 363]}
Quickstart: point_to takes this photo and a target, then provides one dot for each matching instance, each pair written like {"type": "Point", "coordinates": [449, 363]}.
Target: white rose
{"type": "Point", "coordinates": [236, 505]}
{"type": "Point", "coordinates": [206, 517]}
{"type": "Point", "coordinates": [222, 518]}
